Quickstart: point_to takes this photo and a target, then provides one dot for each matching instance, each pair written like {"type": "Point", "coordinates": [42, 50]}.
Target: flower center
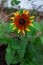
{"type": "Point", "coordinates": [21, 21]}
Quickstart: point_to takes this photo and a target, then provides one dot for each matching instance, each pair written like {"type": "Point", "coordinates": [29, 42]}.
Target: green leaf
{"type": "Point", "coordinates": [9, 54]}
{"type": "Point", "coordinates": [33, 54]}
{"type": "Point", "coordinates": [23, 62]}
{"type": "Point", "coordinates": [16, 59]}
{"type": "Point", "coordinates": [37, 26]}
{"type": "Point", "coordinates": [23, 45]}
{"type": "Point", "coordinates": [14, 2]}
{"type": "Point", "coordinates": [30, 63]}
{"type": "Point", "coordinates": [17, 2]}
{"type": "Point", "coordinates": [15, 43]}
{"type": "Point", "coordinates": [21, 51]}
{"type": "Point", "coordinates": [4, 40]}
{"type": "Point", "coordinates": [32, 32]}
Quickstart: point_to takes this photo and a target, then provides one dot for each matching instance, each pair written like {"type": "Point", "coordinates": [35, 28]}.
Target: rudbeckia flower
{"type": "Point", "coordinates": [22, 22]}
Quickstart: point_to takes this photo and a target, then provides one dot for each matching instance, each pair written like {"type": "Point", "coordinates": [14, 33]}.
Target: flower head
{"type": "Point", "coordinates": [22, 22]}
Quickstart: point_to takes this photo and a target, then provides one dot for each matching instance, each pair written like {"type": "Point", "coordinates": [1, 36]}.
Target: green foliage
{"type": "Point", "coordinates": [37, 26]}
{"type": "Point", "coordinates": [10, 27]}
{"type": "Point", "coordinates": [15, 51]}
{"type": "Point", "coordinates": [33, 54]}
{"type": "Point", "coordinates": [9, 54]}
{"type": "Point", "coordinates": [14, 2]}
{"type": "Point", "coordinates": [23, 46]}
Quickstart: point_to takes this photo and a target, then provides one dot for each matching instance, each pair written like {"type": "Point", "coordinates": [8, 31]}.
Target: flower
{"type": "Point", "coordinates": [22, 22]}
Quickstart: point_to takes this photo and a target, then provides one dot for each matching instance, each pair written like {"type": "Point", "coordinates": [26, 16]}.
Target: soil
{"type": "Point", "coordinates": [2, 55]}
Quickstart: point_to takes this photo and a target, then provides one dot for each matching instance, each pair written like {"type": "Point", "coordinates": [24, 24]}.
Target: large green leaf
{"type": "Point", "coordinates": [21, 51]}
{"type": "Point", "coordinates": [23, 45]}
{"type": "Point", "coordinates": [34, 54]}
{"type": "Point", "coordinates": [9, 54]}
{"type": "Point", "coordinates": [16, 59]}
{"type": "Point", "coordinates": [15, 43]}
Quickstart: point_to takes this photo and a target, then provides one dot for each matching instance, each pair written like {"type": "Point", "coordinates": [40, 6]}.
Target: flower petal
{"type": "Point", "coordinates": [27, 12]}
{"type": "Point", "coordinates": [31, 24]}
{"type": "Point", "coordinates": [16, 14]}
{"type": "Point", "coordinates": [23, 31]}
{"type": "Point", "coordinates": [12, 18]}
{"type": "Point", "coordinates": [31, 20]}
{"type": "Point", "coordinates": [14, 28]}
{"type": "Point", "coordinates": [18, 30]}
{"type": "Point", "coordinates": [27, 29]}
{"type": "Point", "coordinates": [31, 17]}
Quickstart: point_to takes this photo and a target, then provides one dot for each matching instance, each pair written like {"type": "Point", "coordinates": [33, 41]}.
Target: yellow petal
{"type": "Point", "coordinates": [31, 20]}
{"type": "Point", "coordinates": [31, 24]}
{"type": "Point", "coordinates": [18, 30]}
{"type": "Point", "coordinates": [12, 18]}
{"type": "Point", "coordinates": [12, 24]}
{"type": "Point", "coordinates": [27, 12]}
{"type": "Point", "coordinates": [23, 31]}
{"type": "Point", "coordinates": [16, 14]}
{"type": "Point", "coordinates": [31, 17]}
{"type": "Point", "coordinates": [27, 29]}
{"type": "Point", "coordinates": [14, 28]}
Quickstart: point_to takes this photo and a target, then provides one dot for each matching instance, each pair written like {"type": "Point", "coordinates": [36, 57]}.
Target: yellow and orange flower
{"type": "Point", "coordinates": [22, 22]}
